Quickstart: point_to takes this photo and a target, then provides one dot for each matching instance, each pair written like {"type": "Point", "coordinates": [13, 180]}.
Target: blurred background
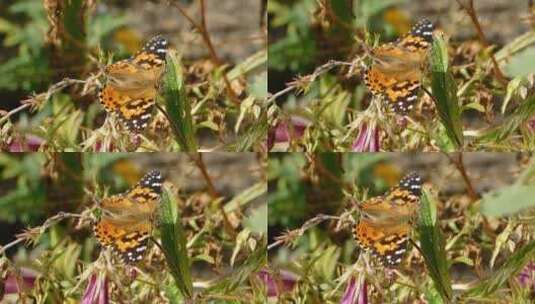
{"type": "Point", "coordinates": [318, 251]}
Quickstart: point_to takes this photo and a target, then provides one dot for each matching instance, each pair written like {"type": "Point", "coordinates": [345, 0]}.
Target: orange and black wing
{"type": "Point", "coordinates": [385, 245]}
{"type": "Point", "coordinates": [134, 111]}
{"type": "Point", "coordinates": [129, 244]}
{"type": "Point", "coordinates": [148, 189]}
{"type": "Point", "coordinates": [386, 237]}
{"type": "Point", "coordinates": [401, 88]}
{"type": "Point", "coordinates": [129, 238]}
{"type": "Point", "coordinates": [401, 95]}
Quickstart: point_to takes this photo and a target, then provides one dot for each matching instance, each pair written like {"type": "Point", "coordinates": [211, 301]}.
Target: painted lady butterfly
{"type": "Point", "coordinates": [132, 85]}
{"type": "Point", "coordinates": [384, 225]}
{"type": "Point", "coordinates": [397, 67]}
{"type": "Point", "coordinates": [125, 225]}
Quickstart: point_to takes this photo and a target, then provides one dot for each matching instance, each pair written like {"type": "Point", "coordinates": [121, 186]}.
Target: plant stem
{"type": "Point", "coordinates": [301, 230]}
{"type": "Point", "coordinates": [473, 16]}
{"type": "Point", "coordinates": [459, 164]}
{"type": "Point", "coordinates": [299, 81]}
{"type": "Point", "coordinates": [203, 30]}
{"type": "Point", "coordinates": [197, 158]}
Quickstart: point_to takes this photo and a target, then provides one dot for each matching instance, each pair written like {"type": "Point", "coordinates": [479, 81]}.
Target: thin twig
{"type": "Point", "coordinates": [279, 93]}
{"type": "Point", "coordinates": [9, 245]}
{"type": "Point", "coordinates": [473, 16]}
{"type": "Point", "coordinates": [293, 234]}
{"type": "Point", "coordinates": [36, 100]}
{"type": "Point", "coordinates": [203, 30]}
{"type": "Point", "coordinates": [459, 164]}
{"type": "Point", "coordinates": [302, 81]}
{"type": "Point", "coordinates": [31, 233]}
{"type": "Point", "coordinates": [197, 158]}
{"type": "Point", "coordinates": [14, 111]}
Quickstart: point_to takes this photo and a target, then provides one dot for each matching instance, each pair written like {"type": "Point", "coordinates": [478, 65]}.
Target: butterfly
{"type": "Point", "coordinates": [397, 67]}
{"type": "Point", "coordinates": [385, 221]}
{"type": "Point", "coordinates": [126, 222]}
{"type": "Point", "coordinates": [132, 85]}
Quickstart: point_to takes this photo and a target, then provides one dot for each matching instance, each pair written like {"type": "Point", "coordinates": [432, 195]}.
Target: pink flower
{"type": "Point", "coordinates": [96, 291]}
{"type": "Point", "coordinates": [526, 277]}
{"type": "Point", "coordinates": [100, 147]}
{"type": "Point", "coordinates": [367, 139]}
{"type": "Point", "coordinates": [531, 124]}
{"type": "Point", "coordinates": [29, 143]}
{"type": "Point", "coordinates": [284, 281]}
{"type": "Point", "coordinates": [13, 285]}
{"type": "Point", "coordinates": [285, 131]}
{"type": "Point", "coordinates": [355, 294]}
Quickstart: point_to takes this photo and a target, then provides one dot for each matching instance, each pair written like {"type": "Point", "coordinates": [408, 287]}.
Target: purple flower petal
{"type": "Point", "coordinates": [355, 294]}
{"type": "Point", "coordinates": [367, 139]}
{"type": "Point", "coordinates": [12, 283]}
{"type": "Point", "coordinates": [270, 139]}
{"type": "Point", "coordinates": [531, 124]}
{"type": "Point", "coordinates": [283, 132]}
{"type": "Point", "coordinates": [30, 143]}
{"type": "Point", "coordinates": [526, 277]}
{"type": "Point", "coordinates": [96, 291]}
{"type": "Point", "coordinates": [283, 282]}
{"type": "Point", "coordinates": [350, 292]}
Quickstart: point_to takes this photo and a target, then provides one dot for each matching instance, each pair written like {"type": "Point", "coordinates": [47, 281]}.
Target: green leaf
{"type": "Point", "coordinates": [511, 123]}
{"type": "Point", "coordinates": [433, 247]}
{"type": "Point", "coordinates": [173, 294]}
{"type": "Point", "coordinates": [256, 260]}
{"type": "Point", "coordinates": [445, 92]}
{"type": "Point", "coordinates": [508, 200]}
{"type": "Point", "coordinates": [512, 87]}
{"type": "Point", "coordinates": [178, 107]}
{"type": "Point", "coordinates": [252, 135]}
{"type": "Point", "coordinates": [521, 64]}
{"type": "Point", "coordinates": [442, 139]}
{"type": "Point", "coordinates": [257, 220]}
{"type": "Point", "coordinates": [73, 21]}
{"type": "Point", "coordinates": [174, 244]}
{"type": "Point", "coordinates": [513, 265]}
{"type": "Point", "coordinates": [246, 196]}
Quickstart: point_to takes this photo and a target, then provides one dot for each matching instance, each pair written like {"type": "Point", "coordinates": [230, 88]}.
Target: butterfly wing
{"type": "Point", "coordinates": [400, 94]}
{"type": "Point", "coordinates": [419, 38]}
{"type": "Point", "coordinates": [411, 182]}
{"type": "Point", "coordinates": [384, 226]}
{"type": "Point", "coordinates": [153, 53]}
{"type": "Point", "coordinates": [125, 225]}
{"type": "Point", "coordinates": [386, 243]}
{"type": "Point", "coordinates": [135, 113]}
{"type": "Point", "coordinates": [130, 93]}
{"type": "Point", "coordinates": [147, 191]}
{"type": "Point", "coordinates": [396, 73]}
{"type": "Point", "coordinates": [129, 244]}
